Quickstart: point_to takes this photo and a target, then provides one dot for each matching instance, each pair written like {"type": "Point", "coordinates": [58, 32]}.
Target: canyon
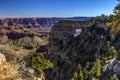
{"type": "Point", "coordinates": [70, 47]}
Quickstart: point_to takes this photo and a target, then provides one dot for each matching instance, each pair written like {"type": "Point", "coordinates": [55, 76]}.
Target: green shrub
{"type": "Point", "coordinates": [39, 63]}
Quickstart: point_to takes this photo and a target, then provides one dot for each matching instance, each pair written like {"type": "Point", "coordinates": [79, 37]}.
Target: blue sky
{"type": "Point", "coordinates": [55, 8]}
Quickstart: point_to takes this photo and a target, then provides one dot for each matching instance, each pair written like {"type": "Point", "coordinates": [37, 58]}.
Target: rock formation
{"type": "Point", "coordinates": [29, 22]}
{"type": "Point", "coordinates": [88, 48]}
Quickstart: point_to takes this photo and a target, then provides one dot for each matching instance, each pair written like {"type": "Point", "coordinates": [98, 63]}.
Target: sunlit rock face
{"type": "Point", "coordinates": [7, 70]}
{"type": "Point", "coordinates": [2, 59]}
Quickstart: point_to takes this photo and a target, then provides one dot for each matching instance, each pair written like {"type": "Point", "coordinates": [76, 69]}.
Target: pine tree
{"type": "Point", "coordinates": [107, 48]}
{"type": "Point", "coordinates": [96, 69]}
{"type": "Point", "coordinates": [78, 75]}
{"type": "Point", "coordinates": [110, 50]}
{"type": "Point", "coordinates": [115, 23]}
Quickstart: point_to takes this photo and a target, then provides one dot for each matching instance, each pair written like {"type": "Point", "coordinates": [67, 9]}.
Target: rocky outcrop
{"type": "Point", "coordinates": [113, 67]}
{"type": "Point", "coordinates": [13, 64]}
{"type": "Point", "coordinates": [7, 70]}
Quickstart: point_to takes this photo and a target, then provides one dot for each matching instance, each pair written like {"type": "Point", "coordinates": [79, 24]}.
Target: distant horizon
{"type": "Point", "coordinates": [56, 8]}
{"type": "Point", "coordinates": [41, 17]}
{"type": "Point", "coordinates": [49, 16]}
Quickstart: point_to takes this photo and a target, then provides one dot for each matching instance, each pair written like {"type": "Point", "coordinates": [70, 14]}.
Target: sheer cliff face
{"type": "Point", "coordinates": [61, 42]}
{"type": "Point", "coordinates": [67, 50]}
{"type": "Point", "coordinates": [29, 22]}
